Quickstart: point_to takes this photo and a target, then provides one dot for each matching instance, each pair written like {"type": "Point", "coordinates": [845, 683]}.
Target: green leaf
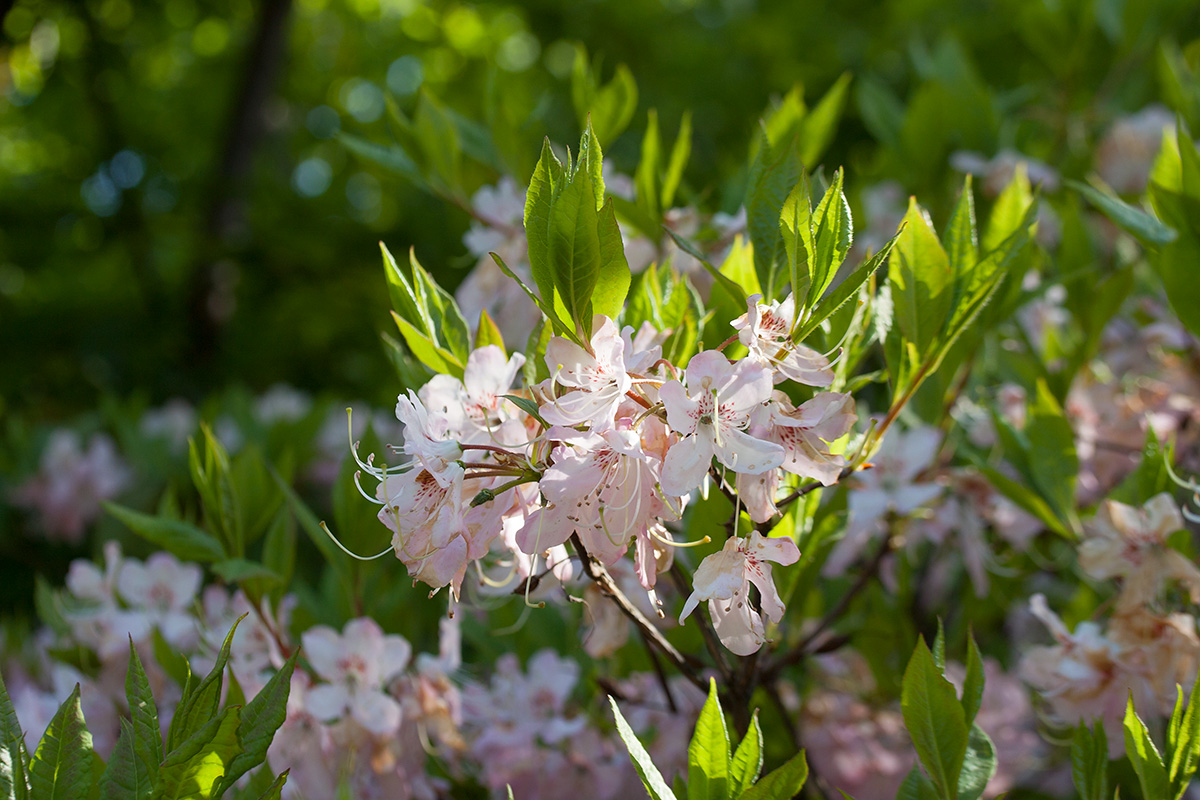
{"type": "Point", "coordinates": [680, 152]}
{"type": "Point", "coordinates": [440, 143]}
{"type": "Point", "coordinates": [773, 174]}
{"type": "Point", "coordinates": [819, 126]}
{"type": "Point", "coordinates": [200, 706]}
{"type": "Point", "coordinates": [613, 277]}
{"type": "Point", "coordinates": [390, 157]}
{"type": "Point", "coordinates": [917, 787]}
{"type": "Point", "coordinates": [834, 233]}
{"type": "Point", "coordinates": [260, 719]}
{"type": "Point", "coordinates": [1053, 463]}
{"type": "Point", "coordinates": [551, 315]}
{"type": "Point", "coordinates": [488, 332]}
{"type": "Point", "coordinates": [546, 181]}
{"type": "Point", "coordinates": [847, 289]}
{"type": "Point", "coordinates": [724, 281]}
{"type": "Point", "coordinates": [275, 790]}
{"type": "Point", "coordinates": [1147, 763]}
{"type": "Point", "coordinates": [780, 784]}
{"type": "Point", "coordinates": [921, 281]}
{"type": "Point", "coordinates": [1089, 762]}
{"type": "Point", "coordinates": [708, 752]}
{"type": "Point", "coordinates": [979, 765]}
{"type": "Point", "coordinates": [14, 759]}
{"type": "Point", "coordinates": [797, 226]}
{"type": "Point", "coordinates": [646, 177]}
{"type": "Point", "coordinates": [235, 570]}
{"type": "Point", "coordinates": [935, 720]}
{"type": "Point", "coordinates": [61, 768]}
{"type": "Point", "coordinates": [972, 696]}
{"type": "Point", "coordinates": [1145, 228]}
{"type": "Point", "coordinates": [145, 731]}
{"type": "Point", "coordinates": [610, 107]}
{"type": "Point", "coordinates": [184, 539]}
{"type": "Point", "coordinates": [574, 248]}
{"type": "Point", "coordinates": [126, 776]}
{"type": "Point", "coordinates": [1183, 741]}
{"type": "Point", "coordinates": [427, 351]}
{"type": "Point", "coordinates": [528, 406]}
{"type": "Point", "coordinates": [962, 241]}
{"type": "Point", "coordinates": [747, 760]}
{"type": "Point", "coordinates": [939, 647]}
{"type": "Point", "coordinates": [652, 779]}
{"type": "Point", "coordinates": [193, 770]}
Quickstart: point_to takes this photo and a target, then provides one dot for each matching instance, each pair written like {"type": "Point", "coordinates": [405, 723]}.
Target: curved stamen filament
{"type": "Point", "coordinates": [654, 534]}
{"type": "Point", "coordinates": [376, 501]}
{"type": "Point", "coordinates": [348, 552]}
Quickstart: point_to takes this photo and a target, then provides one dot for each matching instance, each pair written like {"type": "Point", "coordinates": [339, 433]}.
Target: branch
{"type": "Point", "coordinates": [601, 576]}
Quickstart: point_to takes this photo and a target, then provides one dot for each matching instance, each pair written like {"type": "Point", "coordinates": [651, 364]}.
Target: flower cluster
{"type": "Point", "coordinates": [1143, 649]}
{"type": "Point", "coordinates": [605, 453]}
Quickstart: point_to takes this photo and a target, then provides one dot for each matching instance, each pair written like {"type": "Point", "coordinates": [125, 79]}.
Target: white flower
{"type": "Point", "coordinates": [710, 415]}
{"type": "Point", "coordinates": [766, 330]}
{"type": "Point", "coordinates": [357, 665]}
{"type": "Point", "coordinates": [724, 578]}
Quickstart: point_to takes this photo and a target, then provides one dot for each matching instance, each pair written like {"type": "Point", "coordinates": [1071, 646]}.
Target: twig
{"type": "Point", "coordinates": [600, 575]}
{"type": "Point", "coordinates": [660, 673]}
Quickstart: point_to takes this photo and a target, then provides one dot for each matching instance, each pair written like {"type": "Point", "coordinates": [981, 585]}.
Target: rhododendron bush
{"type": "Point", "coordinates": [827, 491]}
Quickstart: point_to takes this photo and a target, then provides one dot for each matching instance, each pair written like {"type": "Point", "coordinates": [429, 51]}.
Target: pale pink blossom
{"type": "Point", "coordinates": [724, 578]}
{"type": "Point", "coordinates": [162, 590]}
{"type": "Point", "coordinates": [1131, 543]}
{"type": "Point", "coordinates": [766, 331]}
{"type": "Point", "coordinates": [358, 663]}
{"type": "Point", "coordinates": [711, 415]}
{"type": "Point", "coordinates": [596, 381]}
{"type": "Point", "coordinates": [72, 483]}
{"type": "Point", "coordinates": [427, 441]}
{"type": "Point", "coordinates": [473, 409]}
{"type": "Point", "coordinates": [890, 485]}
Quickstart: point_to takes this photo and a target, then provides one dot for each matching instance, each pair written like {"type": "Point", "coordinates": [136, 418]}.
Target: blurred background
{"type": "Point", "coordinates": [179, 212]}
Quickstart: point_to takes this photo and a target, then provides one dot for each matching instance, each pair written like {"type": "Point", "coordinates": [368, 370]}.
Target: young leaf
{"type": "Point", "coordinates": [61, 768]}
{"type": "Point", "coordinates": [183, 539]}
{"type": "Point", "coordinates": [145, 733]}
{"type": "Point", "coordinates": [646, 177]}
{"type": "Point", "coordinates": [1054, 464]}
{"type": "Point", "coordinates": [972, 695]}
{"type": "Point", "coordinates": [200, 706]}
{"type": "Point", "coordinates": [921, 281]}
{"type": "Point", "coordinates": [962, 241]}
{"type": "Point", "coordinates": [818, 127]}
{"type": "Point", "coordinates": [1183, 741]}
{"type": "Point", "coordinates": [708, 752]}
{"type": "Point", "coordinates": [834, 233]}
{"type": "Point", "coordinates": [193, 769]}
{"type": "Point", "coordinates": [260, 719]}
{"type": "Point", "coordinates": [798, 229]}
{"type": "Point", "coordinates": [613, 277]}
{"type": "Point", "coordinates": [747, 760]}
{"type": "Point", "coordinates": [126, 776]}
{"type": "Point", "coordinates": [917, 787]}
{"type": "Point", "coordinates": [574, 248]}
{"type": "Point", "coordinates": [488, 332]}
{"type": "Point", "coordinates": [1144, 227]}
{"type": "Point", "coordinates": [780, 784]}
{"type": "Point", "coordinates": [1089, 762]}
{"type": "Point", "coordinates": [14, 759]}
{"type": "Point", "coordinates": [935, 720]}
{"type": "Point", "coordinates": [773, 174]}
{"type": "Point", "coordinates": [652, 779]}
{"type": "Point", "coordinates": [275, 790]}
{"type": "Point", "coordinates": [979, 765]}
{"type": "Point", "coordinates": [680, 152]}
{"type": "Point", "coordinates": [848, 288]}
{"type": "Point", "coordinates": [1147, 763]}
{"type": "Point", "coordinates": [544, 185]}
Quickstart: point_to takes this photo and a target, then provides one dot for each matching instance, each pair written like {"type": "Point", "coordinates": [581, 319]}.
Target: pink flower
{"type": "Point", "coordinates": [357, 665]}
{"type": "Point", "coordinates": [427, 440]}
{"type": "Point", "coordinates": [1131, 543]}
{"type": "Point", "coordinates": [473, 410]}
{"type": "Point", "coordinates": [806, 435]}
{"type": "Point", "coordinates": [724, 578]}
{"type": "Point", "coordinates": [71, 484]}
{"type": "Point", "coordinates": [162, 591]}
{"type": "Point", "coordinates": [711, 415]}
{"type": "Point", "coordinates": [601, 486]}
{"type": "Point", "coordinates": [596, 381]}
{"type": "Point", "coordinates": [766, 330]}
{"type": "Point", "coordinates": [889, 486]}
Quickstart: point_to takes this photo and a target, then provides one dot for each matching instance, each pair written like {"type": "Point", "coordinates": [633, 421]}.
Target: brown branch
{"type": "Point", "coordinates": [597, 572]}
